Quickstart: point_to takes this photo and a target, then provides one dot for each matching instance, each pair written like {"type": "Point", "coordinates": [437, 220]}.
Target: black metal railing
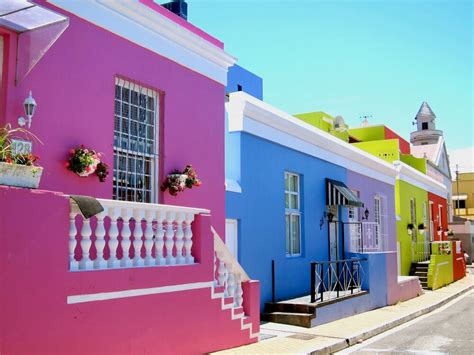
{"type": "Point", "coordinates": [335, 279]}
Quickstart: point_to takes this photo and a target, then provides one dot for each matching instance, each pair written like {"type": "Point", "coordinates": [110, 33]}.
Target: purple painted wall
{"type": "Point", "coordinates": [73, 85]}
{"type": "Point", "coordinates": [368, 188]}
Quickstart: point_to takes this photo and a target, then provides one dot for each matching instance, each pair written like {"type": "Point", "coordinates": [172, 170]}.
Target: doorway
{"type": "Point", "coordinates": [231, 236]}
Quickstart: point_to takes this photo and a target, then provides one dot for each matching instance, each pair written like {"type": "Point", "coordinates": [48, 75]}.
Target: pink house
{"type": "Point", "coordinates": [146, 88]}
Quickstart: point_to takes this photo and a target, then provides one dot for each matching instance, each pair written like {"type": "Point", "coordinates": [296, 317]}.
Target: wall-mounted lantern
{"type": "Point", "coordinates": [410, 228]}
{"type": "Point", "coordinates": [366, 214]}
{"type": "Point", "coordinates": [30, 107]}
{"type": "Point", "coordinates": [421, 227]}
{"type": "Point", "coordinates": [329, 216]}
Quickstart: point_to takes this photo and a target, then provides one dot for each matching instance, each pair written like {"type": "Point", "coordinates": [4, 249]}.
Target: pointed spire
{"type": "Point", "coordinates": [425, 110]}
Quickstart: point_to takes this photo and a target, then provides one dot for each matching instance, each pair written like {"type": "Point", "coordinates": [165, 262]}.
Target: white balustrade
{"type": "Point", "coordinates": [167, 229]}
{"type": "Point", "coordinates": [230, 274]}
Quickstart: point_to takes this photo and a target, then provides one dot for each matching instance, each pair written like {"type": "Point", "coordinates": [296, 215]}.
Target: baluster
{"type": "Point", "coordinates": [230, 283]}
{"type": "Point", "coordinates": [169, 242]}
{"type": "Point", "coordinates": [216, 281]}
{"type": "Point", "coordinates": [126, 243]}
{"type": "Point", "coordinates": [221, 270]}
{"type": "Point", "coordinates": [188, 235]}
{"type": "Point", "coordinates": [159, 242]}
{"type": "Point", "coordinates": [99, 262]}
{"type": "Point", "coordinates": [86, 243]}
{"type": "Point", "coordinates": [113, 262]}
{"type": "Point", "coordinates": [180, 259]}
{"type": "Point", "coordinates": [73, 264]}
{"type": "Point", "coordinates": [238, 291]}
{"type": "Point", "coordinates": [149, 238]}
{"type": "Point", "coordinates": [137, 238]}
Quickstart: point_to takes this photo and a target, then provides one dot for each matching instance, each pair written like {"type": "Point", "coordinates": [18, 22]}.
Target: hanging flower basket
{"type": "Point", "coordinates": [85, 162]}
{"type": "Point", "coordinates": [177, 181]}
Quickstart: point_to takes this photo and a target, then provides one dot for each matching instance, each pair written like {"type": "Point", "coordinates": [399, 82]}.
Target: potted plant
{"type": "Point", "coordinates": [179, 181]}
{"type": "Point", "coordinates": [410, 228]}
{"type": "Point", "coordinates": [17, 169]}
{"type": "Point", "coordinates": [84, 162]}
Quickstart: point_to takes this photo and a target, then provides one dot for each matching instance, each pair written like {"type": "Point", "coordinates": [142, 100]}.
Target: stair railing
{"type": "Point", "coordinates": [228, 273]}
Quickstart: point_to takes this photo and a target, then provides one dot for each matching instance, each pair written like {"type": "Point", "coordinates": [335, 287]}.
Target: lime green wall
{"type": "Point", "coordinates": [387, 150]}
{"type": "Point", "coordinates": [365, 134]}
{"type": "Point", "coordinates": [403, 193]}
{"type": "Point", "coordinates": [319, 120]}
{"type": "Point", "coordinates": [440, 271]}
{"type": "Point", "coordinates": [417, 163]}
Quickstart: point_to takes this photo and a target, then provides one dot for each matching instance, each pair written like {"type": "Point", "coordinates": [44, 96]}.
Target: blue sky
{"type": "Point", "coordinates": [352, 58]}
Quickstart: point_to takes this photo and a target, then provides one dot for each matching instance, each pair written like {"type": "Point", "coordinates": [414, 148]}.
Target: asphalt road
{"type": "Point", "coordinates": [447, 331]}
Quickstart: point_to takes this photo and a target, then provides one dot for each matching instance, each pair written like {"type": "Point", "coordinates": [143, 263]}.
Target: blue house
{"type": "Point", "coordinates": [295, 195]}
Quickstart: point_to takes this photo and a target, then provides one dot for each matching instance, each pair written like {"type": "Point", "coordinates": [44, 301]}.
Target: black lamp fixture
{"type": "Point", "coordinates": [330, 216]}
{"type": "Point", "coordinates": [366, 214]}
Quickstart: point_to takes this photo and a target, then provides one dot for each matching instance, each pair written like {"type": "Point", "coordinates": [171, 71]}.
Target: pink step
{"type": "Point", "coordinates": [238, 310]}
{"type": "Point", "coordinates": [228, 300]}
{"type": "Point", "coordinates": [219, 289]}
{"type": "Point", "coordinates": [247, 320]}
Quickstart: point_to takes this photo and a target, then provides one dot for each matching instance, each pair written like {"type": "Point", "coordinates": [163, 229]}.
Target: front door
{"type": "Point", "coordinates": [333, 241]}
{"type": "Point", "coordinates": [231, 231]}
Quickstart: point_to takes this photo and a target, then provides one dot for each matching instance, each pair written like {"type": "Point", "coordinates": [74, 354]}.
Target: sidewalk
{"type": "Point", "coordinates": [327, 338]}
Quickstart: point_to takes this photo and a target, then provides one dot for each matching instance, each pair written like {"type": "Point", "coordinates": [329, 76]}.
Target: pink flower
{"type": "Point", "coordinates": [88, 169]}
{"type": "Point", "coordinates": [72, 151]}
{"type": "Point", "coordinates": [66, 164]}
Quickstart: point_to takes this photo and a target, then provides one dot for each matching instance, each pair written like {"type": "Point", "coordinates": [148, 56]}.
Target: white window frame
{"type": "Point", "coordinates": [413, 213]}
{"type": "Point", "coordinates": [290, 212]}
{"type": "Point", "coordinates": [149, 153]}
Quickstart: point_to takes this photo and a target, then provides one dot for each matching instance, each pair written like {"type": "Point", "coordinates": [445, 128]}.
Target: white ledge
{"type": "Point", "coordinates": [418, 179]}
{"type": "Point", "coordinates": [256, 117]}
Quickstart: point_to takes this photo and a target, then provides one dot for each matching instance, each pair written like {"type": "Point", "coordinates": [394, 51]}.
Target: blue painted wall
{"type": "Point", "coordinates": [260, 210]}
{"type": "Point", "coordinates": [249, 82]}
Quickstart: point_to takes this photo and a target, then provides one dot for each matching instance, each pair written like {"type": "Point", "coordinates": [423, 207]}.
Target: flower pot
{"type": "Point", "coordinates": [20, 175]}
{"type": "Point", "coordinates": [87, 173]}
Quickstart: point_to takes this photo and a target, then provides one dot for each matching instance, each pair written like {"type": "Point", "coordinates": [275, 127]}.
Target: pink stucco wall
{"type": "Point", "coordinates": [403, 290]}
{"type": "Point", "coordinates": [36, 319]}
{"type": "Point", "coordinates": [73, 85]}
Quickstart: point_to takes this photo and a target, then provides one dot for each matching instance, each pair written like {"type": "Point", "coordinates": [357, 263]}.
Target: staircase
{"type": "Point", "coordinates": [421, 270]}
{"type": "Point", "coordinates": [228, 278]}
{"type": "Point", "coordinates": [290, 313]}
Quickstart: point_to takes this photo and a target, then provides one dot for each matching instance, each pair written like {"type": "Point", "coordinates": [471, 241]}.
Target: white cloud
{"type": "Point", "coordinates": [464, 158]}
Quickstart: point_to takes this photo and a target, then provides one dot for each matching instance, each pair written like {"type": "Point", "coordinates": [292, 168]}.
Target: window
{"type": "Point", "coordinates": [292, 214]}
{"type": "Point", "coordinates": [135, 142]}
{"type": "Point", "coordinates": [460, 203]}
{"type": "Point", "coordinates": [239, 87]}
{"type": "Point", "coordinates": [424, 125]}
{"type": "Point", "coordinates": [413, 212]}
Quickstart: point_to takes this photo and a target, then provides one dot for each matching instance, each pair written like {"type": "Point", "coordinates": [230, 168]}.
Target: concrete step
{"type": "Point", "coordinates": [289, 307]}
{"type": "Point", "coordinates": [297, 319]}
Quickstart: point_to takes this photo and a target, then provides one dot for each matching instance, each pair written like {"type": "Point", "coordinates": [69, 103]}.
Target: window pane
{"type": "Point", "coordinates": [287, 200]}
{"type": "Point", "coordinates": [294, 201]}
{"type": "Point", "coordinates": [295, 234]}
{"type": "Point", "coordinates": [290, 183]}
{"type": "Point", "coordinates": [287, 234]}
{"type": "Point", "coordinates": [294, 183]}
{"type": "Point", "coordinates": [287, 183]}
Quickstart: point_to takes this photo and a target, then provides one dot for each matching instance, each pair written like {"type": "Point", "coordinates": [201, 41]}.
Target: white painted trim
{"type": "Point", "coordinates": [414, 177]}
{"type": "Point", "coordinates": [443, 263]}
{"type": "Point", "coordinates": [147, 28]}
{"type": "Point", "coordinates": [104, 296]}
{"type": "Point", "coordinates": [232, 185]}
{"type": "Point", "coordinates": [248, 114]}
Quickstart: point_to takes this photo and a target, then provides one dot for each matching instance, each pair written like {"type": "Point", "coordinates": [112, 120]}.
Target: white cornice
{"type": "Point", "coordinates": [418, 179]}
{"type": "Point", "coordinates": [248, 114]}
{"type": "Point", "coordinates": [145, 27]}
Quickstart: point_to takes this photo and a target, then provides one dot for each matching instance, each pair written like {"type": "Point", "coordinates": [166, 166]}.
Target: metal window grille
{"type": "Point", "coordinates": [292, 214]}
{"type": "Point", "coordinates": [135, 142]}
